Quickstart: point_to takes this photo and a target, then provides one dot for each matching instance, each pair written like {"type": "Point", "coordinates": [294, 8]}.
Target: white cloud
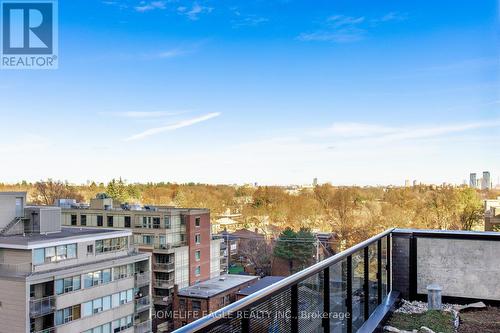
{"type": "Point", "coordinates": [381, 133]}
{"type": "Point", "coordinates": [172, 53]}
{"type": "Point", "coordinates": [152, 5]}
{"type": "Point", "coordinates": [195, 11]}
{"type": "Point", "coordinates": [144, 114]}
{"type": "Point", "coordinates": [345, 29]}
{"type": "Point", "coordinates": [180, 124]}
{"type": "Point", "coordinates": [350, 129]}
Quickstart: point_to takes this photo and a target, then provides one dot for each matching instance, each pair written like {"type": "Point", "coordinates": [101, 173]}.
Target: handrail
{"type": "Point", "coordinates": [265, 293]}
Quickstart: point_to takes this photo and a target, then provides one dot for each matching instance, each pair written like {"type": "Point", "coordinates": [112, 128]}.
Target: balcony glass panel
{"type": "Point", "coordinates": [372, 277]}
{"type": "Point", "coordinates": [338, 296]}
{"type": "Point", "coordinates": [272, 315]}
{"type": "Point", "coordinates": [311, 304]}
{"type": "Point", "coordinates": [358, 293]}
{"type": "Point", "coordinates": [385, 290]}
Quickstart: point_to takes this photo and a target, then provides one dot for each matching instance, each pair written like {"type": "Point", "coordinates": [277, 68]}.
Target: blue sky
{"type": "Point", "coordinates": [274, 92]}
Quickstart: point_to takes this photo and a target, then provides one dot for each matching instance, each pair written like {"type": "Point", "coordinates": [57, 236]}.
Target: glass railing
{"type": "Point", "coordinates": [143, 327]}
{"type": "Point", "coordinates": [142, 303]}
{"type": "Point", "coordinates": [338, 294]}
{"type": "Point", "coordinates": [163, 266]}
{"type": "Point", "coordinates": [142, 279]}
{"type": "Point", "coordinates": [42, 306]}
{"type": "Point", "coordinates": [46, 330]}
{"type": "Point", "coordinates": [159, 283]}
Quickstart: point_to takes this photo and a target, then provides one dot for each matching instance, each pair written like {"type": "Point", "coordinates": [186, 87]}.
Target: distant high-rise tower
{"type": "Point", "coordinates": [473, 180]}
{"type": "Point", "coordinates": [315, 182]}
{"type": "Point", "coordinates": [486, 183]}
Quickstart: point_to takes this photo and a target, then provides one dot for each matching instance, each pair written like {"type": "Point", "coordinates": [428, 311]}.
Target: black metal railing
{"type": "Point", "coordinates": [336, 294]}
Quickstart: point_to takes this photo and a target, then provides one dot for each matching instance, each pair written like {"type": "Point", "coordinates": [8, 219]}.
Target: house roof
{"type": "Point", "coordinates": [261, 284]}
{"type": "Point", "coordinates": [212, 287]}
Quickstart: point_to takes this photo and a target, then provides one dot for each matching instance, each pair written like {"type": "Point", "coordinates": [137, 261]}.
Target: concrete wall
{"type": "Point", "coordinates": [8, 206]}
{"type": "Point", "coordinates": [13, 307]}
{"type": "Point", "coordinates": [464, 268]}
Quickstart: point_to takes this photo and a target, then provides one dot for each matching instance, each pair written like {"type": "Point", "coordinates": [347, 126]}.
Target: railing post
{"type": "Point", "coordinates": [388, 262]}
{"type": "Point", "coordinates": [294, 309]}
{"type": "Point", "coordinates": [349, 294]}
{"type": "Point", "coordinates": [245, 322]}
{"type": "Point", "coordinates": [366, 285]}
{"type": "Point", "coordinates": [379, 271]}
{"type": "Point", "coordinates": [413, 268]}
{"type": "Point", "coordinates": [326, 300]}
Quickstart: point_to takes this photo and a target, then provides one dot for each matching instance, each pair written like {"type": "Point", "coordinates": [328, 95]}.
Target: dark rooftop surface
{"type": "Point", "coordinates": [215, 286]}
{"type": "Point", "coordinates": [66, 232]}
{"type": "Point", "coordinates": [261, 284]}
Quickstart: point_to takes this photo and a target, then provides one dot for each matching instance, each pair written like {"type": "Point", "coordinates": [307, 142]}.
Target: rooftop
{"type": "Point", "coordinates": [66, 235]}
{"type": "Point", "coordinates": [261, 284]}
{"type": "Point", "coordinates": [215, 286]}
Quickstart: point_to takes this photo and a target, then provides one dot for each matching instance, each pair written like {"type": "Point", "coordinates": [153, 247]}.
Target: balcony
{"type": "Point", "coordinates": [165, 284]}
{"type": "Point", "coordinates": [47, 330]}
{"type": "Point", "coordinates": [166, 267]}
{"type": "Point", "coordinates": [142, 304]}
{"type": "Point", "coordinates": [42, 306]}
{"type": "Point", "coordinates": [353, 291]}
{"type": "Point", "coordinates": [143, 327]}
{"type": "Point", "coordinates": [162, 300]}
{"type": "Point", "coordinates": [142, 279]}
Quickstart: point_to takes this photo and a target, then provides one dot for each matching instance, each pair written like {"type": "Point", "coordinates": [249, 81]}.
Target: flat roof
{"type": "Point", "coordinates": [67, 235]}
{"type": "Point", "coordinates": [220, 284]}
{"type": "Point", "coordinates": [261, 284]}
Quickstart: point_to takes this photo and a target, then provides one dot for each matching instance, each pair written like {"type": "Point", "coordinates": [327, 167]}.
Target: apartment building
{"type": "Point", "coordinates": [68, 280]}
{"type": "Point", "coordinates": [179, 240]}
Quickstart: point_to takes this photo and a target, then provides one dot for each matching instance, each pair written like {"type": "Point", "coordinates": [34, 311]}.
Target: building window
{"type": "Point", "coordinates": [96, 278]}
{"type": "Point", "coordinates": [73, 219]}
{"type": "Point", "coordinates": [111, 244]}
{"type": "Point", "coordinates": [116, 326]}
{"type": "Point", "coordinates": [156, 223]}
{"type": "Point", "coordinates": [196, 306]}
{"type": "Point", "coordinates": [182, 304]}
{"type": "Point", "coordinates": [147, 239]}
{"type": "Point", "coordinates": [123, 271]}
{"type": "Point", "coordinates": [110, 221]}
{"type": "Point", "coordinates": [127, 221]}
{"type": "Point", "coordinates": [68, 314]}
{"type": "Point", "coordinates": [67, 285]}
{"type": "Point", "coordinates": [83, 220]}
{"type": "Point", "coordinates": [197, 221]}
{"type": "Point", "coordinates": [107, 302]}
{"type": "Point", "coordinates": [19, 207]}
{"type": "Point", "coordinates": [146, 222]}
{"type": "Point", "coordinates": [54, 254]}
{"type": "Point", "coordinates": [167, 222]}
{"type": "Point", "coordinates": [197, 238]}
{"type": "Point", "coordinates": [99, 220]}
{"type": "Point", "coordinates": [197, 271]}
{"type": "Point", "coordinates": [197, 255]}
{"type": "Point", "coordinates": [90, 249]}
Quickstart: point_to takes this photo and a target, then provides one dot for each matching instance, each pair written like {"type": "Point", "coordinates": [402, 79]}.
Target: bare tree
{"type": "Point", "coordinates": [46, 192]}
{"type": "Point", "coordinates": [259, 253]}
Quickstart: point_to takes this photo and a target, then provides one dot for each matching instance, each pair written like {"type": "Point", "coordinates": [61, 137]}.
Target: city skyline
{"type": "Point", "coordinates": [278, 92]}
